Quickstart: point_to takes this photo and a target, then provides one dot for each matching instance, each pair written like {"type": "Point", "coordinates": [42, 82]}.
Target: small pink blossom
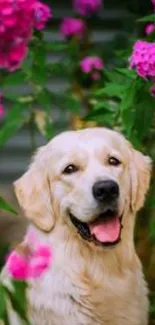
{"type": "Point", "coordinates": [31, 261]}
{"type": "Point", "coordinates": [143, 59]}
{"type": "Point", "coordinates": [42, 13]}
{"type": "Point", "coordinates": [72, 26]}
{"type": "Point", "coordinates": [1, 107]}
{"type": "Point", "coordinates": [17, 266]}
{"type": "Point", "coordinates": [92, 65]}
{"type": "Point", "coordinates": [87, 7]}
{"type": "Point", "coordinates": [150, 28]}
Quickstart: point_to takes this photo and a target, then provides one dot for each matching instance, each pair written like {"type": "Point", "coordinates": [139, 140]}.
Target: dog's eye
{"type": "Point", "coordinates": [70, 169]}
{"type": "Point", "coordinates": [114, 161]}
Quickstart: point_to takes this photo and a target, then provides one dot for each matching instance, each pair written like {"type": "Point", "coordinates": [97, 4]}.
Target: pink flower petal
{"type": "Point", "coordinates": [92, 64]}
{"type": "Point", "coordinates": [34, 260]}
{"type": "Point", "coordinates": [17, 266]}
{"type": "Point", "coordinates": [87, 7]}
{"type": "Point", "coordinates": [149, 29]}
{"type": "Point", "coordinates": [72, 26]}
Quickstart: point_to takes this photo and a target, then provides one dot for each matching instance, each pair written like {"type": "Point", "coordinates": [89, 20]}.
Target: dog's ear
{"type": "Point", "coordinates": [33, 193]}
{"type": "Point", "coordinates": [140, 171]}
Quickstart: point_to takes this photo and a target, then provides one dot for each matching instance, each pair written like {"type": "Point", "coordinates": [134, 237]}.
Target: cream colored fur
{"type": "Point", "coordinates": [86, 284]}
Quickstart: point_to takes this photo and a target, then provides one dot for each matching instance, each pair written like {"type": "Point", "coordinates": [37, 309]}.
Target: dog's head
{"type": "Point", "coordinates": [90, 180]}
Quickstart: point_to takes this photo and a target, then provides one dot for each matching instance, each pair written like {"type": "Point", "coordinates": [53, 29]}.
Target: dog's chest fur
{"type": "Point", "coordinates": [73, 294]}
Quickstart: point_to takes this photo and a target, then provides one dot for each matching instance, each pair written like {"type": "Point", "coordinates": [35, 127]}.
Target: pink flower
{"type": "Point", "coordinates": [149, 29]}
{"type": "Point", "coordinates": [31, 261]}
{"type": "Point", "coordinates": [92, 65]}
{"type": "Point", "coordinates": [143, 59]}
{"type": "Point", "coordinates": [87, 7]}
{"type": "Point", "coordinates": [41, 14]}
{"type": "Point", "coordinates": [17, 266]}
{"type": "Point", "coordinates": [1, 107]}
{"type": "Point", "coordinates": [18, 19]}
{"type": "Point", "coordinates": [72, 26]}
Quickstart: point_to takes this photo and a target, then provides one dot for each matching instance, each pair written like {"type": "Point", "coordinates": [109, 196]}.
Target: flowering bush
{"type": "Point", "coordinates": [17, 21]}
{"type": "Point", "coordinates": [118, 95]}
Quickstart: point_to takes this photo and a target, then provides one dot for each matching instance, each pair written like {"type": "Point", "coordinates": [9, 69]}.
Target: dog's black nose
{"type": "Point", "coordinates": [105, 191]}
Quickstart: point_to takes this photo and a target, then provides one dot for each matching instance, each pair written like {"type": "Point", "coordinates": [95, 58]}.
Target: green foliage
{"type": "Point", "coordinates": [150, 18]}
{"type": "Point", "coordinates": [16, 118]}
{"type": "Point", "coordinates": [16, 296]}
{"type": "Point", "coordinates": [6, 206]}
{"type": "Point", "coordinates": [3, 302]}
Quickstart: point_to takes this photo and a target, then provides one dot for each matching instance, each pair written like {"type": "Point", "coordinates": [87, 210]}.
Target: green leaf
{"type": "Point", "coordinates": [67, 101]}
{"type": "Point", "coordinates": [14, 122]}
{"type": "Point", "coordinates": [105, 105]}
{"type": "Point", "coordinates": [26, 64]}
{"type": "Point", "coordinates": [14, 79]}
{"type": "Point", "coordinates": [113, 90]}
{"type": "Point", "coordinates": [133, 138]}
{"type": "Point", "coordinates": [127, 104]}
{"type": "Point", "coordinates": [20, 289]}
{"type": "Point", "coordinates": [63, 68]}
{"type": "Point", "coordinates": [5, 206]}
{"type": "Point", "coordinates": [39, 75]}
{"type": "Point", "coordinates": [144, 111]}
{"type": "Point", "coordinates": [126, 72]}
{"type": "Point", "coordinates": [44, 98]}
{"type": "Point", "coordinates": [56, 47]}
{"type": "Point", "coordinates": [2, 302]}
{"type": "Point", "coordinates": [6, 318]}
{"type": "Point", "coordinates": [39, 54]}
{"type": "Point", "coordinates": [145, 19]}
{"type": "Point", "coordinates": [18, 299]}
{"type": "Point", "coordinates": [49, 130]}
{"type": "Point", "coordinates": [116, 77]}
{"type": "Point", "coordinates": [103, 118]}
{"type": "Point", "coordinates": [39, 71]}
{"type": "Point", "coordinates": [72, 102]}
{"type": "Point", "coordinates": [151, 201]}
{"type": "Point", "coordinates": [4, 250]}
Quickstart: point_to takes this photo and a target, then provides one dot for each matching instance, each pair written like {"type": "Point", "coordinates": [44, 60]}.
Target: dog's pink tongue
{"type": "Point", "coordinates": [106, 231]}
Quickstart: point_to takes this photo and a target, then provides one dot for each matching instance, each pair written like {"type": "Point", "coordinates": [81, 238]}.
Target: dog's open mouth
{"type": "Point", "coordinates": [105, 230]}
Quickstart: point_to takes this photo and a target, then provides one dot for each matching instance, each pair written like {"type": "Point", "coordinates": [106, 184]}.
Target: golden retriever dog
{"type": "Point", "coordinates": [81, 194]}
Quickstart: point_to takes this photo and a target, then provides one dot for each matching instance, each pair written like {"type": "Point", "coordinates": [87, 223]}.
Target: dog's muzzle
{"type": "Point", "coordinates": [105, 230]}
